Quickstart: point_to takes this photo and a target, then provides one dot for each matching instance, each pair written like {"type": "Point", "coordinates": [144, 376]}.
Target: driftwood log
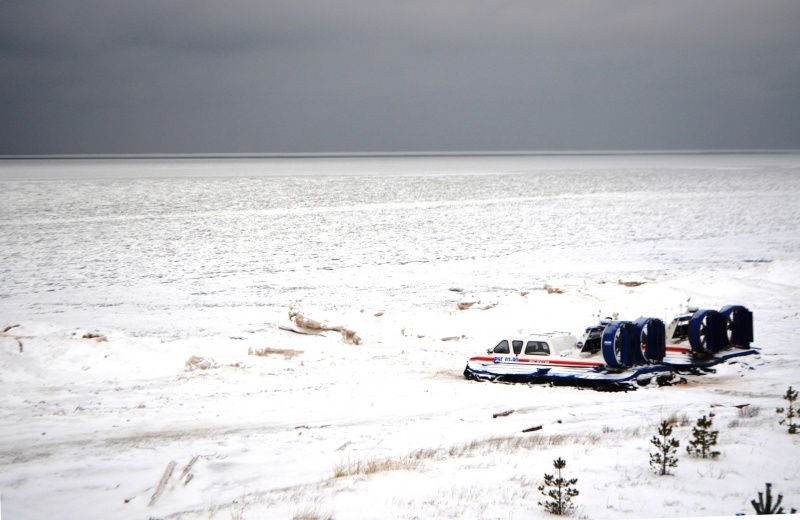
{"type": "Point", "coordinates": [502, 414]}
{"type": "Point", "coordinates": [163, 482]}
{"type": "Point", "coordinates": [296, 316]}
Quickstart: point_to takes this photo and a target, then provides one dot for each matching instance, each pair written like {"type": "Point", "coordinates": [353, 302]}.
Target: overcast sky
{"type": "Point", "coordinates": [296, 76]}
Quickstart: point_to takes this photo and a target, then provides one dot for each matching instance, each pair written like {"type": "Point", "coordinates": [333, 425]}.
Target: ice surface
{"type": "Point", "coordinates": [171, 260]}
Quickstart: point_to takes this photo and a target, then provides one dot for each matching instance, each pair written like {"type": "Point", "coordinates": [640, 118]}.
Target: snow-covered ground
{"type": "Point", "coordinates": [144, 371]}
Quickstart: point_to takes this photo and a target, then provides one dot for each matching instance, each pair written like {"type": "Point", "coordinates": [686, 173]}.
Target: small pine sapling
{"type": "Point", "coordinates": [791, 413]}
{"type": "Point", "coordinates": [765, 506]}
{"type": "Point", "coordinates": [703, 439]}
{"type": "Point", "coordinates": [558, 491]}
{"type": "Point", "coordinates": [664, 458]}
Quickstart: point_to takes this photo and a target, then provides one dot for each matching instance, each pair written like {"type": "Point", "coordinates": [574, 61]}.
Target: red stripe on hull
{"type": "Point", "coordinates": [678, 348]}
{"type": "Point", "coordinates": [549, 362]}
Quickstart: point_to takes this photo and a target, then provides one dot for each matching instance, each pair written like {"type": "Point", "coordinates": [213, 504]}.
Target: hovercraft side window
{"type": "Point", "coordinates": [517, 344]}
{"type": "Point", "coordinates": [537, 348]}
{"type": "Point", "coordinates": [502, 347]}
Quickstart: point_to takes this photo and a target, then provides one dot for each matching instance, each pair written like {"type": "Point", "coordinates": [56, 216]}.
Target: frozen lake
{"type": "Point", "coordinates": [225, 245]}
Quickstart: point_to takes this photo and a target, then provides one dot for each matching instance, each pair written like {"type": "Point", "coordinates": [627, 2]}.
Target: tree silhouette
{"type": "Point", "coordinates": [766, 507]}
{"type": "Point", "coordinates": [558, 490]}
{"type": "Point", "coordinates": [704, 439]}
{"type": "Point", "coordinates": [791, 412]}
{"type": "Point", "coordinates": [664, 458]}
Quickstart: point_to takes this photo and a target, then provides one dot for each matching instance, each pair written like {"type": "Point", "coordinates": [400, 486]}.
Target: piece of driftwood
{"type": "Point", "coordinates": [532, 429]}
{"type": "Point", "coordinates": [163, 482]}
{"type": "Point", "coordinates": [186, 474]}
{"type": "Point", "coordinates": [97, 337]}
{"type": "Point", "coordinates": [298, 331]}
{"type": "Point", "coordinates": [297, 317]}
{"type": "Point", "coordinates": [16, 338]}
{"type": "Point", "coordinates": [502, 414]}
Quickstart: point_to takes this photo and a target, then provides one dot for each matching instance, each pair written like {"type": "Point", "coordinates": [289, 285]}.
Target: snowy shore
{"type": "Point", "coordinates": [145, 369]}
{"type": "Point", "coordinates": [91, 424]}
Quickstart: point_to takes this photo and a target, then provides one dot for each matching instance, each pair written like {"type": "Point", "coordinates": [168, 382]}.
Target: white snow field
{"type": "Point", "coordinates": [145, 371]}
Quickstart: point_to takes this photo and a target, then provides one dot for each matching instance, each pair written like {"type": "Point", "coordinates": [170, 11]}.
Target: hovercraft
{"type": "Point", "coordinates": [620, 354]}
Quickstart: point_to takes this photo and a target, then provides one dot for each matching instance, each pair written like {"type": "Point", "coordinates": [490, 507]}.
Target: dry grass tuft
{"type": "Point", "coordinates": [680, 420]}
{"type": "Point", "coordinates": [238, 509]}
{"type": "Point", "coordinates": [478, 447]}
{"type": "Point", "coordinates": [553, 290]}
{"type": "Point", "coordinates": [312, 513]}
{"type": "Point", "coordinates": [505, 444]}
{"type": "Point", "coordinates": [268, 351]}
{"type": "Point", "coordinates": [749, 412]}
{"type": "Point", "coordinates": [374, 465]}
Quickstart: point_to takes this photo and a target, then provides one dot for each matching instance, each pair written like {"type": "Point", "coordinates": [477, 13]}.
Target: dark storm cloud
{"type": "Point", "coordinates": [357, 75]}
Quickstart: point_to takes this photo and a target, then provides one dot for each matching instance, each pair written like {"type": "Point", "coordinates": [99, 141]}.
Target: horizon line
{"type": "Point", "coordinates": [347, 155]}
